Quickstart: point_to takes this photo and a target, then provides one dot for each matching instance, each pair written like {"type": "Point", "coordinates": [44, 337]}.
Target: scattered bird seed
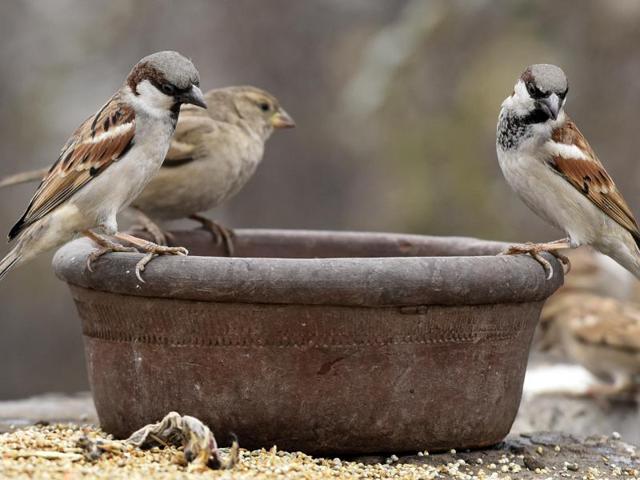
{"type": "Point", "coordinates": [571, 466]}
{"type": "Point", "coordinates": [67, 452]}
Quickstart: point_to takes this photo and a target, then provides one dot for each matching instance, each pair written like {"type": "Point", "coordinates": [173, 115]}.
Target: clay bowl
{"type": "Point", "coordinates": [325, 342]}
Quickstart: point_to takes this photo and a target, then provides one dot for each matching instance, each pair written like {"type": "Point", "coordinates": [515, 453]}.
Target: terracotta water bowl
{"type": "Point", "coordinates": [325, 342]}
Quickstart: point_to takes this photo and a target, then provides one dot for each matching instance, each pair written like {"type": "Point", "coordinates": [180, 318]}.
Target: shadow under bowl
{"type": "Point", "coordinates": [319, 341]}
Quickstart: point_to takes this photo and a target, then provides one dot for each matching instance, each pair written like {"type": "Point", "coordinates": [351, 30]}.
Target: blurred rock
{"type": "Point", "coordinates": [49, 408]}
{"type": "Point", "coordinates": [578, 416]}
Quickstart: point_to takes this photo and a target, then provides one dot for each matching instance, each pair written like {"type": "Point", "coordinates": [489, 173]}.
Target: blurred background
{"type": "Point", "coordinates": [396, 104]}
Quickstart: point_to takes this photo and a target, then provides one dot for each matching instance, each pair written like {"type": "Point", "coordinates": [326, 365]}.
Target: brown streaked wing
{"type": "Point", "coordinates": [607, 322]}
{"type": "Point", "coordinates": [591, 179]}
{"type": "Point", "coordinates": [83, 157]}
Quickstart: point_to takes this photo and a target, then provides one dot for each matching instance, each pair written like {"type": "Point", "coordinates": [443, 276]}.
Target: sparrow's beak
{"type": "Point", "coordinates": [282, 119]}
{"type": "Point", "coordinates": [194, 96]}
{"type": "Point", "coordinates": [550, 105]}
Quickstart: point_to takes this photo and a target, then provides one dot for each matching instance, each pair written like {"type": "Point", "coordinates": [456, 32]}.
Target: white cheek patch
{"type": "Point", "coordinates": [566, 151]}
{"type": "Point", "coordinates": [519, 102]}
{"type": "Point", "coordinates": [151, 98]}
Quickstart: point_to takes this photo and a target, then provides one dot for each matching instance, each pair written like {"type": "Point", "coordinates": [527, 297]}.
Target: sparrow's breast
{"type": "Point", "coordinates": [115, 188]}
{"type": "Point", "coordinates": [201, 184]}
{"type": "Point", "coordinates": [551, 197]}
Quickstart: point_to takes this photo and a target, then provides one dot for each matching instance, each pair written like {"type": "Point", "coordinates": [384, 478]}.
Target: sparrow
{"type": "Point", "coordinates": [213, 154]}
{"type": "Point", "coordinates": [601, 334]}
{"type": "Point", "coordinates": [107, 162]}
{"type": "Point", "coordinates": [583, 322]}
{"type": "Point", "coordinates": [552, 167]}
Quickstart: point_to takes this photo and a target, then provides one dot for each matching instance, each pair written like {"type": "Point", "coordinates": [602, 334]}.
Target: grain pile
{"type": "Point", "coordinates": [59, 452]}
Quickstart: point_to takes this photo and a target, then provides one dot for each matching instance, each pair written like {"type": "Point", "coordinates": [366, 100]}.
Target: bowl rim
{"type": "Point", "coordinates": [476, 278]}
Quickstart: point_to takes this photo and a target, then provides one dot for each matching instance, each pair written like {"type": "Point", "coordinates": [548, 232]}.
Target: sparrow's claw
{"type": "Point", "coordinates": [221, 235]}
{"type": "Point", "coordinates": [535, 250]}
{"type": "Point", "coordinates": [106, 246]}
{"type": "Point", "coordinates": [96, 254]}
{"type": "Point", "coordinates": [530, 249]}
{"type": "Point", "coordinates": [153, 251]}
{"type": "Point", "coordinates": [545, 264]}
{"type": "Point", "coordinates": [141, 265]}
{"type": "Point", "coordinates": [566, 263]}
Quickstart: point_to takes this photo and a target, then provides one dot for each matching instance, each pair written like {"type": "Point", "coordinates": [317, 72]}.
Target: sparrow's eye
{"type": "Point", "coordinates": [563, 94]}
{"type": "Point", "coordinates": [265, 107]}
{"type": "Point", "coordinates": [533, 91]}
{"type": "Point", "coordinates": [168, 89]}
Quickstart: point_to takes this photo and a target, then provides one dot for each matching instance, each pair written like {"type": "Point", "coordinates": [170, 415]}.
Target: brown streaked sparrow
{"type": "Point", "coordinates": [601, 334]}
{"type": "Point", "coordinates": [550, 164]}
{"type": "Point", "coordinates": [107, 162]}
{"type": "Point", "coordinates": [212, 155]}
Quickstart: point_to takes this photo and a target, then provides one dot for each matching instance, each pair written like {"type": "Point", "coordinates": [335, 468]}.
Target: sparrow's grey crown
{"type": "Point", "coordinates": [547, 78]}
{"type": "Point", "coordinates": [170, 67]}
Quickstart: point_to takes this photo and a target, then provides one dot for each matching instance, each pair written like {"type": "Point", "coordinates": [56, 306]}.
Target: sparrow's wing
{"type": "Point", "coordinates": [609, 323]}
{"type": "Point", "coordinates": [187, 142]}
{"type": "Point", "coordinates": [574, 159]}
{"type": "Point", "coordinates": [99, 142]}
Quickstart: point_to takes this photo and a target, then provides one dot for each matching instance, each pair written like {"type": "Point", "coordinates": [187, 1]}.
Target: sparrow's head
{"type": "Point", "coordinates": [540, 93]}
{"type": "Point", "coordinates": [251, 106]}
{"type": "Point", "coordinates": [166, 80]}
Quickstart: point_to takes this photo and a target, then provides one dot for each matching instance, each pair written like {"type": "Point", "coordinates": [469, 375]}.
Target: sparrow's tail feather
{"type": "Point", "coordinates": [626, 253]}
{"type": "Point", "coordinates": [9, 261]}
{"type": "Point", "coordinates": [633, 267]}
{"type": "Point", "coordinates": [24, 177]}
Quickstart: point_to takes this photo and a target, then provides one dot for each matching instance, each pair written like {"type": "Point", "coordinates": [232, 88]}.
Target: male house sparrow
{"type": "Point", "coordinates": [212, 155]}
{"type": "Point", "coordinates": [107, 162]}
{"type": "Point", "coordinates": [548, 162]}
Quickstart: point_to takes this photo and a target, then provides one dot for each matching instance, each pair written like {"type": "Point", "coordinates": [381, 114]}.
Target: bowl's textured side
{"type": "Point", "coordinates": [327, 342]}
{"type": "Point", "coordinates": [317, 378]}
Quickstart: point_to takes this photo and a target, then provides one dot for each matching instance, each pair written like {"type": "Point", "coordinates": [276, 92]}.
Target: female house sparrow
{"type": "Point", "coordinates": [212, 155]}
{"type": "Point", "coordinates": [601, 334]}
{"type": "Point", "coordinates": [548, 162]}
{"type": "Point", "coordinates": [107, 162]}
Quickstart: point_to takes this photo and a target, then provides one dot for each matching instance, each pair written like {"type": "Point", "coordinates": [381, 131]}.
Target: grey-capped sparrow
{"type": "Point", "coordinates": [213, 154]}
{"type": "Point", "coordinates": [107, 162]}
{"type": "Point", "coordinates": [550, 164]}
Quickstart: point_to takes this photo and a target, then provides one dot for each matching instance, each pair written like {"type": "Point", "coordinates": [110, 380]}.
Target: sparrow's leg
{"type": "Point", "coordinates": [535, 249]}
{"type": "Point", "coordinates": [221, 235]}
{"type": "Point", "coordinates": [159, 236]}
{"type": "Point", "coordinates": [152, 249]}
{"type": "Point", "coordinates": [106, 246]}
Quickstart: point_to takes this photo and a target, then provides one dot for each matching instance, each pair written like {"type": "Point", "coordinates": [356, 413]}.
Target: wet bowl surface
{"type": "Point", "coordinates": [319, 341]}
